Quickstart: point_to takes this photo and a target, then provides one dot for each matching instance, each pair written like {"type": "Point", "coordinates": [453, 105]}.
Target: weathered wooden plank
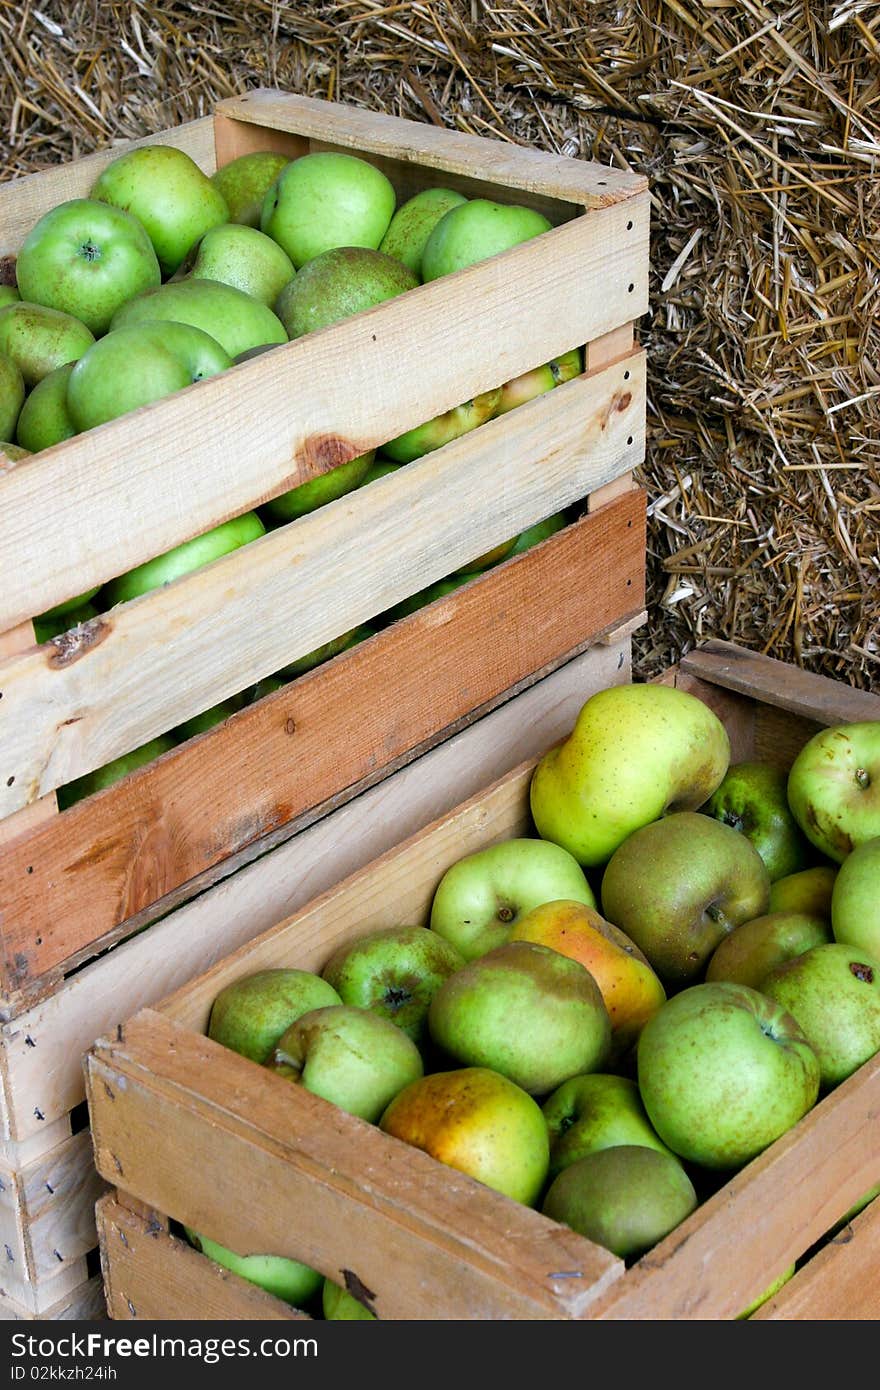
{"type": "Point", "coordinates": [816, 698]}
{"type": "Point", "coordinates": [839, 1284]}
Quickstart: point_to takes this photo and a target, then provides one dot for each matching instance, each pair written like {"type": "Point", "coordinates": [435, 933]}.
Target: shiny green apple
{"type": "Point", "coordinates": [244, 182]}
{"type": "Point", "coordinates": [45, 417]}
{"type": "Point", "coordinates": [855, 898]}
{"type": "Point", "coordinates": [326, 200]}
{"type": "Point", "coordinates": [475, 230]}
{"type": "Point", "coordinates": [287, 1279]}
{"type": "Point", "coordinates": [240, 256]}
{"type": "Point", "coordinates": [183, 559]}
{"type": "Point", "coordinates": [413, 222]}
{"type": "Point", "coordinates": [236, 320]}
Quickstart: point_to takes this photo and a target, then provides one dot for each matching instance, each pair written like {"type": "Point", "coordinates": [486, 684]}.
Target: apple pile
{"type": "Point", "coordinates": [607, 1019]}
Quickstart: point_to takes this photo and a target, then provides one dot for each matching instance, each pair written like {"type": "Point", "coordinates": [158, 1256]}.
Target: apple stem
{"type": "Point", "coordinates": [717, 915]}
{"type": "Point", "coordinates": [863, 778]}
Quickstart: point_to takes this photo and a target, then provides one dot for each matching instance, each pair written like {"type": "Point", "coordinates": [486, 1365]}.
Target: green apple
{"type": "Point", "coordinates": [752, 797]}
{"type": "Point", "coordinates": [490, 557]}
{"type": "Point", "coordinates": [114, 771]}
{"type": "Point", "coordinates": [526, 1011]}
{"type": "Point", "coordinates": [475, 230]}
{"type": "Point", "coordinates": [433, 434]}
{"type": "Point", "coordinates": [326, 200]}
{"type": "Point", "coordinates": [753, 948]}
{"type": "Point", "coordinates": [379, 468]}
{"type": "Point", "coordinates": [326, 651]}
{"type": "Point", "coordinates": [481, 897]}
{"type": "Point", "coordinates": [11, 398]}
{"type": "Point", "coordinates": [184, 558]}
{"type": "Point", "coordinates": [239, 256]}
{"type": "Point", "coordinates": [208, 719]}
{"type": "Point", "coordinates": [250, 1014]}
{"type": "Point", "coordinates": [307, 497]}
{"type": "Point", "coordinates": [429, 594]}
{"type": "Point", "coordinates": [168, 193]}
{"type": "Point", "coordinates": [352, 1057]}
{"type": "Point", "coordinates": [723, 1071]}
{"type": "Point", "coordinates": [598, 1110]}
{"type": "Point", "coordinates": [413, 223]}
{"type": "Point", "coordinates": [625, 1198]}
{"type": "Point", "coordinates": [244, 182]}
{"type": "Point", "coordinates": [396, 971]}
{"type": "Point", "coordinates": [533, 535]}
{"type": "Point", "coordinates": [338, 1305]}
{"type": "Point", "coordinates": [808, 891]}
{"type": "Point", "coordinates": [478, 1122]}
{"type": "Point", "coordinates": [38, 339]}
{"type": "Point", "coordinates": [86, 258]}
{"type": "Point", "coordinates": [678, 886]}
{"type": "Point", "coordinates": [833, 991]}
{"type": "Point", "coordinates": [8, 295]}
{"type": "Point", "coordinates": [133, 366]}
{"type": "Point", "coordinates": [287, 1279]}
{"type": "Point", "coordinates": [539, 380]}
{"type": "Point", "coordinates": [68, 606]}
{"type": "Point", "coordinates": [636, 752]}
{"type": "Point", "coordinates": [46, 627]}
{"type": "Point", "coordinates": [234, 319]}
{"type": "Point", "coordinates": [834, 786]}
{"type": "Point", "coordinates": [338, 283]}
{"type": "Point", "coordinates": [855, 900]}
{"type": "Point", "coordinates": [45, 417]}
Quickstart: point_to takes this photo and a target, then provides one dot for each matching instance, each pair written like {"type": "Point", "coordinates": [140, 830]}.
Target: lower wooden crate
{"type": "Point", "coordinates": [48, 1181]}
{"type": "Point", "coordinates": [183, 1126]}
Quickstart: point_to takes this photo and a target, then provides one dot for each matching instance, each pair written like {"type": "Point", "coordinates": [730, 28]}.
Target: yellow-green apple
{"type": "Point", "coordinates": [855, 899]}
{"type": "Point", "coordinates": [753, 948]}
{"type": "Point", "coordinates": [114, 771]}
{"type": "Point", "coordinates": [133, 366]}
{"type": "Point", "coordinates": [625, 1198]}
{"type": "Point", "coordinates": [250, 1014]}
{"type": "Point", "coordinates": [480, 898]}
{"type": "Point", "coordinates": [287, 1279]}
{"type": "Point", "coordinates": [396, 971]}
{"type": "Point", "coordinates": [533, 535]}
{"type": "Point", "coordinates": [184, 558]}
{"type": "Point", "coordinates": [338, 1305]}
{"type": "Point", "coordinates": [413, 223]}
{"type": "Point", "coordinates": [67, 606]}
{"type": "Point", "coordinates": [326, 200]}
{"type": "Point", "coordinates": [678, 886]}
{"type": "Point", "coordinates": [352, 1057]}
{"type": "Point", "coordinates": [833, 991]}
{"type": "Point", "coordinates": [636, 752]}
{"type": "Point", "coordinates": [241, 256]}
{"type": "Point", "coordinates": [45, 417]}
{"type": "Point", "coordinates": [236, 320]}
{"type": "Point", "coordinates": [8, 294]}
{"type": "Point", "coordinates": [526, 1011]}
{"type": "Point", "coordinates": [208, 718]}
{"type": "Point", "coordinates": [808, 890]}
{"type": "Point", "coordinates": [599, 1110]}
{"type": "Point", "coordinates": [379, 468]}
{"type": "Point", "coordinates": [307, 497]}
{"type": "Point", "coordinates": [630, 986]}
{"type": "Point", "coordinates": [475, 230]}
{"type": "Point", "coordinates": [752, 798]}
{"type": "Point", "coordinates": [38, 339]}
{"type": "Point", "coordinates": [488, 558]}
{"type": "Point", "coordinates": [479, 1122]}
{"type": "Point", "coordinates": [834, 787]}
{"type": "Point", "coordinates": [11, 398]}
{"type": "Point", "coordinates": [244, 182]}
{"type": "Point", "coordinates": [86, 258]}
{"type": "Point", "coordinates": [434, 433]}
{"type": "Point", "coordinates": [527, 385]}
{"type": "Point", "coordinates": [168, 193]}
{"type": "Point", "coordinates": [337, 284]}
{"type": "Point", "coordinates": [723, 1071]}
{"type": "Point", "coordinates": [45, 628]}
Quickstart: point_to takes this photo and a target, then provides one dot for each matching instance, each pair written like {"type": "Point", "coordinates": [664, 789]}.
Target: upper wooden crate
{"type": "Point", "coordinates": [187, 1127]}
{"type": "Point", "coordinates": [88, 509]}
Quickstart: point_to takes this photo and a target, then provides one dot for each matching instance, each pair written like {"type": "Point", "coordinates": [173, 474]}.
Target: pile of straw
{"type": "Point", "coordinates": [759, 128]}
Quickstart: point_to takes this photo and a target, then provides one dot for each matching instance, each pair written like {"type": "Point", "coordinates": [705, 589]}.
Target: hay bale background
{"type": "Point", "coordinates": [759, 127]}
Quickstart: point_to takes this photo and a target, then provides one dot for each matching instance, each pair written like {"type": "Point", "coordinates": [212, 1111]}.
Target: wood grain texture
{"type": "Point", "coordinates": [445, 152]}
{"type": "Point", "coordinates": [47, 1212]}
{"type": "Point", "coordinates": [839, 1284]}
{"type": "Point", "coordinates": [84, 1303]}
{"type": "Point", "coordinates": [15, 640]}
{"type": "Point", "coordinates": [223, 445]}
{"type": "Point", "coordinates": [44, 1076]}
{"type": "Point", "coordinates": [344, 1196]}
{"type": "Point", "coordinates": [819, 699]}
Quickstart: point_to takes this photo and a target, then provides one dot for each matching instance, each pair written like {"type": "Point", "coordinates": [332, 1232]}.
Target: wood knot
{"type": "Point", "coordinates": [623, 401]}
{"type": "Point", "coordinates": [318, 453]}
{"type": "Point", "coordinates": [68, 647]}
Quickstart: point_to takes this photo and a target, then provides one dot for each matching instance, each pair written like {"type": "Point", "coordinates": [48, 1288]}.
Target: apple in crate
{"type": "Point", "coordinates": [239, 256]}
{"type": "Point", "coordinates": [244, 182]}
{"type": "Point", "coordinates": [287, 1279]}
{"type": "Point", "coordinates": [45, 417]}
{"type": "Point", "coordinates": [235, 319]}
{"type": "Point", "coordinates": [855, 899]}
{"type": "Point", "coordinates": [598, 1110]}
{"type": "Point", "coordinates": [250, 1014]}
{"type": "Point", "coordinates": [753, 948]}
{"type": "Point", "coordinates": [11, 397]}
{"type": "Point", "coordinates": [338, 1305]}
{"type": "Point", "coordinates": [752, 798]}
{"type": "Point", "coordinates": [38, 339]}
{"type": "Point", "coordinates": [834, 788]}
{"type": "Point", "coordinates": [326, 200]}
{"type": "Point", "coordinates": [338, 283]}
{"type": "Point", "coordinates": [475, 230]}
{"type": "Point", "coordinates": [413, 223]}
{"type": "Point", "coordinates": [808, 891]}
{"type": "Point", "coordinates": [833, 991]}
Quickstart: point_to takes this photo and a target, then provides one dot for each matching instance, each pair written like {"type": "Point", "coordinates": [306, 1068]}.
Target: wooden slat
{"type": "Point", "coordinates": [839, 1284]}
{"type": "Point", "coordinates": [148, 664]}
{"type": "Point", "coordinates": [23, 201]}
{"type": "Point", "coordinates": [84, 1303]}
{"type": "Point", "coordinates": [326, 1188]}
{"type": "Point", "coordinates": [44, 1076]}
{"type": "Point", "coordinates": [20, 639]}
{"type": "Point", "coordinates": [816, 698]}
{"type": "Point", "coordinates": [223, 445]}
{"type": "Point", "coordinates": [611, 347]}
{"type": "Point", "coordinates": [150, 1274]}
{"type": "Point", "coordinates": [528, 169]}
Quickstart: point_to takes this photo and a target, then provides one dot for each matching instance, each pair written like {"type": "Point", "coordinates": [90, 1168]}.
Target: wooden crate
{"type": "Point", "coordinates": [183, 1127]}
{"type": "Point", "coordinates": [110, 869]}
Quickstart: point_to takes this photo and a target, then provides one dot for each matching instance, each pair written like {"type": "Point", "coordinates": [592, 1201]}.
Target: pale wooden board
{"type": "Point", "coordinates": [336, 1192]}
{"type": "Point", "coordinates": [47, 1077]}
{"type": "Point", "coordinates": [444, 151]}
{"type": "Point", "coordinates": [179, 649]}
{"type": "Point", "coordinates": [14, 640]}
{"type": "Point", "coordinates": [85, 1303]}
{"type": "Point", "coordinates": [23, 201]}
{"type": "Point", "coordinates": [47, 1213]}
{"type": "Point", "coordinates": [221, 446]}
{"type": "Point", "coordinates": [39, 1299]}
{"type": "Point", "coordinates": [839, 1284]}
